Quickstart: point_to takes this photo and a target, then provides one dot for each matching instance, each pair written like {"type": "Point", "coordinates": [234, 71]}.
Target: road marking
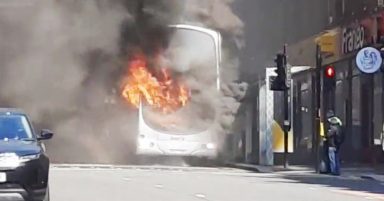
{"type": "Point", "coordinates": [127, 179]}
{"type": "Point", "coordinates": [159, 186]}
{"type": "Point", "coordinates": [200, 195]}
{"type": "Point", "coordinates": [140, 167]}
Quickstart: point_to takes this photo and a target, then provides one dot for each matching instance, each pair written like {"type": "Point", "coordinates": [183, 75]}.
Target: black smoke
{"type": "Point", "coordinates": [63, 61]}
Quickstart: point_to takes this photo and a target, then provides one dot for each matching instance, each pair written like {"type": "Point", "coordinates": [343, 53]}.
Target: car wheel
{"type": "Point", "coordinates": [47, 197]}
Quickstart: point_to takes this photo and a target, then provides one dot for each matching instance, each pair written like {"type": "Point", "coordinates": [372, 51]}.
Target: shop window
{"type": "Point", "coordinates": [341, 68]}
{"type": "Point", "coordinates": [356, 103]}
{"type": "Point", "coordinates": [341, 79]}
{"type": "Point", "coordinates": [380, 29]}
{"type": "Point", "coordinates": [355, 70]}
{"type": "Point", "coordinates": [355, 131]}
{"type": "Point", "coordinates": [306, 119]}
{"type": "Point", "coordinates": [340, 100]}
{"type": "Point", "coordinates": [378, 108]}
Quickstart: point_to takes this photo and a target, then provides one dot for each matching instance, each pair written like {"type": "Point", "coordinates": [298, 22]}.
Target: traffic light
{"type": "Point", "coordinates": [330, 72]}
{"type": "Point", "coordinates": [278, 83]}
{"type": "Point", "coordinates": [329, 78]}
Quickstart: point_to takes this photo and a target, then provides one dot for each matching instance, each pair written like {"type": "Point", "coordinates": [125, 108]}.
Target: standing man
{"type": "Point", "coordinates": [335, 138]}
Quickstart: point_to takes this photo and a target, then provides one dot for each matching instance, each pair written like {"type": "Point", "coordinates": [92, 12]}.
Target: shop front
{"type": "Point", "coordinates": [357, 97]}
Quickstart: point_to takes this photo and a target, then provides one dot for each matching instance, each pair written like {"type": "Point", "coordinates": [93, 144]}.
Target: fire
{"type": "Point", "coordinates": [162, 93]}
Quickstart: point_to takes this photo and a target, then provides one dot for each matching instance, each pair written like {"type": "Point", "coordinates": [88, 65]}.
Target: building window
{"type": "Point", "coordinates": [339, 9]}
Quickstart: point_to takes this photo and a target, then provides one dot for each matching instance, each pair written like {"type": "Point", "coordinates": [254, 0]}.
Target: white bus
{"type": "Point", "coordinates": [198, 139]}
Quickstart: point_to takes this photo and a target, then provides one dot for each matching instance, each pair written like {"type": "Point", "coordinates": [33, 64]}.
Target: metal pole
{"type": "Point", "coordinates": [318, 108]}
{"type": "Point", "coordinates": [286, 114]}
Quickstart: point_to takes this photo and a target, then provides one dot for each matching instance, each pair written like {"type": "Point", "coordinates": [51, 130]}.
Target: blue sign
{"type": "Point", "coordinates": [369, 60]}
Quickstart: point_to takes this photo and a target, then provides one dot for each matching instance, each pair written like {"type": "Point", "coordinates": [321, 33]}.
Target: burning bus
{"type": "Point", "coordinates": [176, 94]}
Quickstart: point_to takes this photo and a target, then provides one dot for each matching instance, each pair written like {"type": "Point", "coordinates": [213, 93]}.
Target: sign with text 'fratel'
{"type": "Point", "coordinates": [352, 39]}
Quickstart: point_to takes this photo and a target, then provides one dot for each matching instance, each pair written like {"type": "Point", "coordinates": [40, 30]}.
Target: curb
{"type": "Point", "coordinates": [378, 178]}
{"type": "Point", "coordinates": [252, 168]}
{"type": "Point", "coordinates": [367, 177]}
{"type": "Point", "coordinates": [243, 167]}
{"type": "Point", "coordinates": [261, 169]}
{"type": "Point", "coordinates": [268, 169]}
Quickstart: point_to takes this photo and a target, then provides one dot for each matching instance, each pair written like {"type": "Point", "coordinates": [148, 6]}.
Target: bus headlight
{"type": "Point", "coordinates": [211, 146]}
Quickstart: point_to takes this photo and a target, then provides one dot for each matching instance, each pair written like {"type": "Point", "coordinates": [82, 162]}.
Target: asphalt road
{"type": "Point", "coordinates": [162, 183]}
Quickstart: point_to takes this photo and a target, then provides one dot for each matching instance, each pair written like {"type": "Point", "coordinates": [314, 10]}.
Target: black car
{"type": "Point", "coordinates": [24, 166]}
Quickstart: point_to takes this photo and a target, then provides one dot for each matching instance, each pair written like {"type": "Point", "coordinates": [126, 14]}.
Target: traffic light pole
{"type": "Point", "coordinates": [286, 127]}
{"type": "Point", "coordinates": [281, 82]}
{"type": "Point", "coordinates": [318, 109]}
{"type": "Point", "coordinates": [286, 113]}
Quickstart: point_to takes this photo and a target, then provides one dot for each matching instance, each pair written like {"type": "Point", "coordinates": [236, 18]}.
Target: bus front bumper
{"type": "Point", "coordinates": [182, 149]}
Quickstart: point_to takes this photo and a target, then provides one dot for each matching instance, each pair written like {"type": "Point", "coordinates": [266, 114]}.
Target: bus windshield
{"type": "Point", "coordinates": [192, 55]}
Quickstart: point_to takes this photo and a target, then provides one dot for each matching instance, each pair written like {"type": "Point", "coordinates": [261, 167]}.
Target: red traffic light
{"type": "Point", "coordinates": [330, 72]}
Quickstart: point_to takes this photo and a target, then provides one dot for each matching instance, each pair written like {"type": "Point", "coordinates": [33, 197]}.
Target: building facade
{"type": "Point", "coordinates": [357, 98]}
{"type": "Point", "coordinates": [341, 28]}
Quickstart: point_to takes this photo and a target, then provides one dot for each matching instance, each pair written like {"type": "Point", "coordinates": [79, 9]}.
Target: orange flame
{"type": "Point", "coordinates": [164, 94]}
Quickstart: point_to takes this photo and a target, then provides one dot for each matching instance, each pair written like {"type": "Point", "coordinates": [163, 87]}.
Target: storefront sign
{"type": "Point", "coordinates": [352, 39]}
{"type": "Point", "coordinates": [329, 42]}
{"type": "Point", "coordinates": [369, 60]}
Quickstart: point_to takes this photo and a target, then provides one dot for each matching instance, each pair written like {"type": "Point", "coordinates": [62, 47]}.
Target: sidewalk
{"type": "Point", "coordinates": [347, 172]}
{"type": "Point", "coordinates": [364, 173]}
{"type": "Point", "coordinates": [270, 169]}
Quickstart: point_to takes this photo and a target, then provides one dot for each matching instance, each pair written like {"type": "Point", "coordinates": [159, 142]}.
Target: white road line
{"type": "Point", "coordinates": [200, 195]}
{"type": "Point", "coordinates": [127, 179]}
{"type": "Point", "coordinates": [159, 186]}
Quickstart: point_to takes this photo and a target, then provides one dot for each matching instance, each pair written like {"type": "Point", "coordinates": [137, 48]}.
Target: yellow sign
{"type": "Point", "coordinates": [278, 138]}
{"type": "Point", "coordinates": [329, 42]}
{"type": "Point", "coordinates": [322, 134]}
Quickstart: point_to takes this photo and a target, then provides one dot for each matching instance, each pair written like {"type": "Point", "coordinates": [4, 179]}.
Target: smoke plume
{"type": "Point", "coordinates": [57, 60]}
{"type": "Point", "coordinates": [217, 14]}
{"type": "Point", "coordinates": [62, 62]}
